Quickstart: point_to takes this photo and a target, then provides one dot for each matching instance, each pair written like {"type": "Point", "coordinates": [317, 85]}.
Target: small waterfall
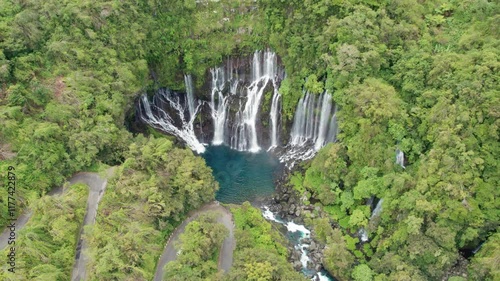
{"type": "Point", "coordinates": [363, 235]}
{"type": "Point", "coordinates": [274, 118]}
{"type": "Point", "coordinates": [314, 125]}
{"type": "Point", "coordinates": [190, 95]}
{"type": "Point", "coordinates": [156, 116]}
{"type": "Point", "coordinates": [378, 209]}
{"type": "Point", "coordinates": [218, 105]}
{"type": "Point", "coordinates": [400, 158]}
{"type": "Point", "coordinates": [326, 107]}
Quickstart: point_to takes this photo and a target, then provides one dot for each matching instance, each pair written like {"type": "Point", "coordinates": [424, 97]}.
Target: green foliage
{"type": "Point", "coordinates": [362, 272]}
{"type": "Point", "coordinates": [150, 194]}
{"type": "Point", "coordinates": [419, 77]}
{"type": "Point", "coordinates": [484, 265]}
{"type": "Point", "coordinates": [199, 247]}
{"type": "Point", "coordinates": [260, 252]}
{"type": "Point", "coordinates": [45, 247]}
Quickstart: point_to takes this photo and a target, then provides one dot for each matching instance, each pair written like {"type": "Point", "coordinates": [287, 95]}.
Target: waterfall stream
{"type": "Point", "coordinates": [218, 105]}
{"type": "Point", "coordinates": [154, 114]}
{"type": "Point", "coordinates": [302, 233]}
{"type": "Point", "coordinates": [274, 115]}
{"type": "Point", "coordinates": [314, 125]}
{"type": "Point", "coordinates": [400, 158]}
{"type": "Point", "coordinates": [236, 95]}
{"type": "Point", "coordinates": [188, 80]}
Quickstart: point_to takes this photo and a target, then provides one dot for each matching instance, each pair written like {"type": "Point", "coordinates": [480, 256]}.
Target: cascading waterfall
{"type": "Point", "coordinates": [314, 125]}
{"type": "Point", "coordinates": [263, 71]}
{"type": "Point", "coordinates": [333, 127]}
{"type": "Point", "coordinates": [274, 118]}
{"type": "Point", "coordinates": [323, 121]}
{"type": "Point", "coordinates": [237, 91]}
{"type": "Point", "coordinates": [218, 105]}
{"type": "Point", "coordinates": [188, 80]}
{"type": "Point", "coordinates": [400, 158]}
{"type": "Point", "coordinates": [155, 116]}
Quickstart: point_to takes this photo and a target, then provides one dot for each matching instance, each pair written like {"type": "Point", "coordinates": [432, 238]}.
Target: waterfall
{"type": "Point", "coordinates": [190, 95]}
{"type": "Point", "coordinates": [314, 125]}
{"type": "Point", "coordinates": [323, 121]}
{"type": "Point", "coordinates": [363, 235]}
{"type": "Point", "coordinates": [239, 126]}
{"type": "Point", "coordinates": [218, 105]}
{"type": "Point", "coordinates": [314, 121]}
{"type": "Point", "coordinates": [234, 104]}
{"type": "Point", "coordinates": [156, 116]}
{"type": "Point", "coordinates": [377, 210]}
{"type": "Point", "coordinates": [333, 127]}
{"type": "Point", "coordinates": [263, 71]}
{"type": "Point", "coordinates": [400, 158]}
{"type": "Point", "coordinates": [274, 118]}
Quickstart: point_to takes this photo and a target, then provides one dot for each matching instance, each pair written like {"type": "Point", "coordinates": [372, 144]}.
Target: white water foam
{"type": "Point", "coordinates": [400, 158]}
{"type": "Point", "coordinates": [154, 115]}
{"type": "Point", "coordinates": [314, 125]}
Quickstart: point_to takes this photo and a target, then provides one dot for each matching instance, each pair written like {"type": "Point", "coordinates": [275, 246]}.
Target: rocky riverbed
{"type": "Point", "coordinates": [287, 205]}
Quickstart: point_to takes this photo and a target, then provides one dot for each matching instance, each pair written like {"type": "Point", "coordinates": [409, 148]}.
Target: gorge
{"type": "Point", "coordinates": [362, 139]}
{"type": "Point", "coordinates": [238, 127]}
{"type": "Point", "coordinates": [236, 112]}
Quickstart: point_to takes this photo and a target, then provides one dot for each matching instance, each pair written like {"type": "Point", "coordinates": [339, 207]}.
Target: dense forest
{"type": "Point", "coordinates": [418, 76]}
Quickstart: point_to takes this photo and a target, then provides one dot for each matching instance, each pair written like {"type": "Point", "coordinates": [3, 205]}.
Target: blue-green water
{"type": "Point", "coordinates": [242, 176]}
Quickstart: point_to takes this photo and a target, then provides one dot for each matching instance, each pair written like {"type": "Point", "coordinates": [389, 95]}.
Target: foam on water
{"type": "Point", "coordinates": [303, 248]}
{"type": "Point", "coordinates": [293, 227]}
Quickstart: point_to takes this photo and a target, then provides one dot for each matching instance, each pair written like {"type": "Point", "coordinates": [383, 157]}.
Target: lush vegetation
{"type": "Point", "coordinates": [419, 76]}
{"type": "Point", "coordinates": [422, 78]}
{"type": "Point", "coordinates": [198, 248]}
{"type": "Point", "coordinates": [45, 247]}
{"type": "Point", "coordinates": [149, 195]}
{"type": "Point", "coordinates": [260, 252]}
{"type": "Point", "coordinates": [70, 71]}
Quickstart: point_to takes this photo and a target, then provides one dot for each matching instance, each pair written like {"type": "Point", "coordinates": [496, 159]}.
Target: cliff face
{"type": "Point", "coordinates": [239, 106]}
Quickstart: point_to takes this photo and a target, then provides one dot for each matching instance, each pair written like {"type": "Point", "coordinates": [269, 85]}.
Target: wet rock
{"type": "Point", "coordinates": [297, 265]}
{"type": "Point", "coordinates": [312, 247]}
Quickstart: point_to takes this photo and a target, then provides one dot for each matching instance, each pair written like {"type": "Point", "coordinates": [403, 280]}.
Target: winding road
{"type": "Point", "coordinates": [226, 253]}
{"type": "Point", "coordinates": [96, 185]}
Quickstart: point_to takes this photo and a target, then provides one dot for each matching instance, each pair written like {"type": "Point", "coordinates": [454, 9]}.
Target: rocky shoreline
{"type": "Point", "coordinates": [287, 204]}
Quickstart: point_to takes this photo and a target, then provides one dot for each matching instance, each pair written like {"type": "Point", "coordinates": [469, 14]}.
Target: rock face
{"type": "Point", "coordinates": [287, 204]}
{"type": "Point", "coordinates": [240, 106]}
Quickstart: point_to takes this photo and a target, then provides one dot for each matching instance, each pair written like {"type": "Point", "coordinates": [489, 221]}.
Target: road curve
{"type": "Point", "coordinates": [24, 217]}
{"type": "Point", "coordinates": [226, 253]}
{"type": "Point", "coordinates": [96, 186]}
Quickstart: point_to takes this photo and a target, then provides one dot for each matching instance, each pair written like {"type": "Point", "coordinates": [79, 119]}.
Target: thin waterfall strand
{"type": "Point", "coordinates": [162, 121]}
